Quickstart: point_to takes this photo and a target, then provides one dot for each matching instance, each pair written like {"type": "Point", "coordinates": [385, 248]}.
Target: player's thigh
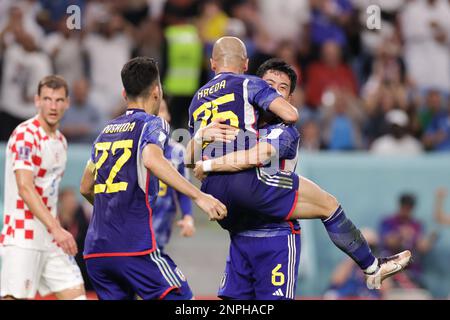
{"type": "Point", "coordinates": [237, 279]}
{"type": "Point", "coordinates": [313, 202]}
{"type": "Point", "coordinates": [275, 267]}
{"type": "Point", "coordinates": [106, 282]}
{"type": "Point", "coordinates": [61, 275]}
{"type": "Point", "coordinates": [20, 272]}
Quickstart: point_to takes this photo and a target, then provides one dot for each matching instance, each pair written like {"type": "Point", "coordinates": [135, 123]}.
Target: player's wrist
{"type": "Point", "coordinates": [207, 166]}
{"type": "Point", "coordinates": [198, 137]}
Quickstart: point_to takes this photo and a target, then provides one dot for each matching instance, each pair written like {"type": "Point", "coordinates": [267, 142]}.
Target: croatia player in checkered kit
{"type": "Point", "coordinates": [280, 142]}
{"type": "Point", "coordinates": [169, 199]}
{"type": "Point", "coordinates": [37, 251]}
{"type": "Point", "coordinates": [121, 181]}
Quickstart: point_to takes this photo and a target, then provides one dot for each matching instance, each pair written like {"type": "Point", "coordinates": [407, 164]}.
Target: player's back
{"type": "Point", "coordinates": [124, 189]}
{"type": "Point", "coordinates": [238, 99]}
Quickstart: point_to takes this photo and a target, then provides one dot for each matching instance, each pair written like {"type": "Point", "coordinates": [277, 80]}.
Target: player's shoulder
{"type": "Point", "coordinates": [155, 122]}
{"type": "Point", "coordinates": [27, 130]}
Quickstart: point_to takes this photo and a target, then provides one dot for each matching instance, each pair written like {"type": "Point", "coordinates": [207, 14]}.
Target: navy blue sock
{"type": "Point", "coordinates": [348, 238]}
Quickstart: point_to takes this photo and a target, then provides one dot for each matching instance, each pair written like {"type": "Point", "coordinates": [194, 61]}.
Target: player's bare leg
{"type": "Point", "coordinates": [315, 203]}
{"type": "Point", "coordinates": [75, 293]}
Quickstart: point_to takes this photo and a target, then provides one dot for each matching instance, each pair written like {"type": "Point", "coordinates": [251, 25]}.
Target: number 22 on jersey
{"type": "Point", "coordinates": [105, 147]}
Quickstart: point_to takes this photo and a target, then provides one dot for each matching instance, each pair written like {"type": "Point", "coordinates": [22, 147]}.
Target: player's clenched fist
{"type": "Point", "coordinates": [215, 209]}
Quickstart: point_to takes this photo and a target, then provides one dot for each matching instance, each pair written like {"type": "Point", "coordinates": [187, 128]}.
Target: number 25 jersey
{"type": "Point", "coordinates": [236, 98]}
{"type": "Point", "coordinates": [125, 191]}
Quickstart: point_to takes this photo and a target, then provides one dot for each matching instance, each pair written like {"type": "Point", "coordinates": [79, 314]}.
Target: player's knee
{"type": "Point", "coordinates": [330, 205]}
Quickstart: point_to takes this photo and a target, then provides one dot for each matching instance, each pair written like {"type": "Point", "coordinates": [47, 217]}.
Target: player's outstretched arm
{"type": "Point", "coordinates": [236, 161]}
{"type": "Point", "coordinates": [154, 160]}
{"type": "Point", "coordinates": [283, 109]}
{"type": "Point", "coordinates": [87, 183]}
{"type": "Point", "coordinates": [28, 193]}
{"type": "Point", "coordinates": [439, 213]}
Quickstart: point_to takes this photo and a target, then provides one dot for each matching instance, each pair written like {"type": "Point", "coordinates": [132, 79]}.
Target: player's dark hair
{"type": "Point", "coordinates": [138, 75]}
{"type": "Point", "coordinates": [407, 199]}
{"type": "Point", "coordinates": [53, 82]}
{"type": "Point", "coordinates": [281, 66]}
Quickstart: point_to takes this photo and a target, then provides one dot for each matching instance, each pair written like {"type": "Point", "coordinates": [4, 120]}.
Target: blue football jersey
{"type": "Point", "coordinates": [236, 98]}
{"type": "Point", "coordinates": [285, 139]}
{"type": "Point", "coordinates": [125, 191]}
{"type": "Point", "coordinates": [166, 204]}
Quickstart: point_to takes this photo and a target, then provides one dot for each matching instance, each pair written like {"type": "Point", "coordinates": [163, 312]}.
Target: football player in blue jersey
{"type": "Point", "coordinates": [310, 202]}
{"type": "Point", "coordinates": [168, 198]}
{"type": "Point", "coordinates": [121, 181]}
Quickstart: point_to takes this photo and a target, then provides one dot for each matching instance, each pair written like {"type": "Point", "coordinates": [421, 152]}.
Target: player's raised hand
{"type": "Point", "coordinates": [215, 209]}
{"type": "Point", "coordinates": [65, 240]}
{"type": "Point", "coordinates": [217, 131]}
{"type": "Point", "coordinates": [187, 226]}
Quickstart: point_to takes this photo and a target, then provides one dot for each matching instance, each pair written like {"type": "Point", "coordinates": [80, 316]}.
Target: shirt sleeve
{"type": "Point", "coordinates": [283, 139]}
{"type": "Point", "coordinates": [260, 94]}
{"type": "Point", "coordinates": [25, 151]}
{"type": "Point", "coordinates": [156, 131]}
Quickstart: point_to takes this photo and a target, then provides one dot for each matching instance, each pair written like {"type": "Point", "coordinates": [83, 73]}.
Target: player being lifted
{"type": "Point", "coordinates": [169, 199]}
{"type": "Point", "coordinates": [277, 196]}
{"type": "Point", "coordinates": [121, 181]}
{"type": "Point", "coordinates": [37, 250]}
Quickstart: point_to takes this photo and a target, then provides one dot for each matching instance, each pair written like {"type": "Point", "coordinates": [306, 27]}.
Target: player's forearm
{"type": "Point", "coordinates": [87, 183]}
{"type": "Point", "coordinates": [244, 159]}
{"type": "Point", "coordinates": [34, 203]}
{"type": "Point", "coordinates": [160, 167]}
{"type": "Point", "coordinates": [283, 109]}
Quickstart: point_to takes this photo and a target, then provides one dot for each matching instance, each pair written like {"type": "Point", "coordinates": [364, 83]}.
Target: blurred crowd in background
{"type": "Point", "coordinates": [384, 90]}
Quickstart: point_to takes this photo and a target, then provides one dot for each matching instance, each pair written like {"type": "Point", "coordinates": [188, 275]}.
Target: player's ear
{"type": "Point", "coordinates": [246, 65]}
{"type": "Point", "coordinates": [37, 100]}
{"type": "Point", "coordinates": [124, 94]}
{"type": "Point", "coordinates": [156, 92]}
{"type": "Point", "coordinates": [213, 64]}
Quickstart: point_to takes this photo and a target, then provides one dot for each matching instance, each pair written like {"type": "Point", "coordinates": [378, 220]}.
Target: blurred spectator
{"type": "Point", "coordinates": [64, 48]}
{"type": "Point", "coordinates": [377, 104]}
{"type": "Point", "coordinates": [425, 26]}
{"type": "Point", "coordinates": [437, 134]}
{"type": "Point", "coordinates": [432, 107]}
{"type": "Point", "coordinates": [310, 136]}
{"type": "Point", "coordinates": [290, 16]}
{"type": "Point", "coordinates": [23, 13]}
{"type": "Point", "coordinates": [401, 231]}
{"type": "Point", "coordinates": [108, 48]}
{"type": "Point", "coordinates": [82, 121]}
{"type": "Point", "coordinates": [439, 213]}
{"type": "Point", "coordinates": [23, 66]}
{"type": "Point", "coordinates": [348, 281]}
{"type": "Point", "coordinates": [329, 73]}
{"type": "Point", "coordinates": [176, 10]}
{"type": "Point", "coordinates": [397, 141]}
{"type": "Point", "coordinates": [181, 71]}
{"type": "Point", "coordinates": [342, 121]}
{"type": "Point", "coordinates": [74, 219]}
{"type": "Point", "coordinates": [372, 39]}
{"type": "Point", "coordinates": [212, 22]}
{"type": "Point", "coordinates": [52, 12]}
{"type": "Point", "coordinates": [329, 19]}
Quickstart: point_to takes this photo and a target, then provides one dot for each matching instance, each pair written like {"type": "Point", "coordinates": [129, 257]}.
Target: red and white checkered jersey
{"type": "Point", "coordinates": [30, 148]}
